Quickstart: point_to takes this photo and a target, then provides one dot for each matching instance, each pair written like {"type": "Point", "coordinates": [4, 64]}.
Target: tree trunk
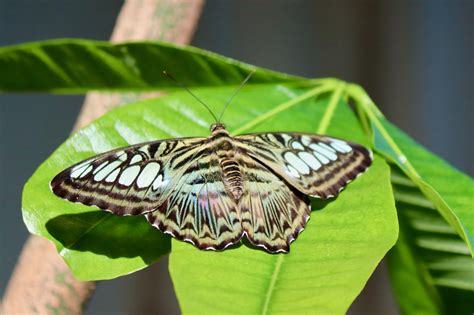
{"type": "Point", "coordinates": [41, 282]}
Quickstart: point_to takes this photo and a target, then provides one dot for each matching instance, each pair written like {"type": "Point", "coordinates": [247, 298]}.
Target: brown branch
{"type": "Point", "coordinates": [41, 282]}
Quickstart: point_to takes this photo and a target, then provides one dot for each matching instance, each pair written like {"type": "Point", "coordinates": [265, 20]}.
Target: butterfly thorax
{"type": "Point", "coordinates": [225, 150]}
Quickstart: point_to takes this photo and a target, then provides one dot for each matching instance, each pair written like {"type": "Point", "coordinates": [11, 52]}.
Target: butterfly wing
{"type": "Point", "coordinates": [128, 181]}
{"type": "Point", "coordinates": [318, 166]}
{"type": "Point", "coordinates": [177, 184]}
{"type": "Point", "coordinates": [200, 210]}
{"type": "Point", "coordinates": [273, 213]}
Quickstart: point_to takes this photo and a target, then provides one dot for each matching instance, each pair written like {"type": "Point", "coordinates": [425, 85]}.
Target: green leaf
{"type": "Point", "coordinates": [429, 258]}
{"type": "Point", "coordinates": [448, 189]}
{"type": "Point", "coordinates": [328, 264]}
{"type": "Point", "coordinates": [97, 245]}
{"type": "Point", "coordinates": [78, 66]}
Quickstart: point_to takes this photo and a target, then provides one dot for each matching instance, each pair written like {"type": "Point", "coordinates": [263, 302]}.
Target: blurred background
{"type": "Point", "coordinates": [415, 58]}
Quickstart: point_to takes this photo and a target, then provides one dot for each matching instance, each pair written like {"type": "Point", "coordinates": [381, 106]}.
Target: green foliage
{"type": "Point", "coordinates": [429, 257]}
{"type": "Point", "coordinates": [345, 239]}
{"type": "Point", "coordinates": [326, 269]}
{"type": "Point", "coordinates": [433, 176]}
{"type": "Point", "coordinates": [78, 66]}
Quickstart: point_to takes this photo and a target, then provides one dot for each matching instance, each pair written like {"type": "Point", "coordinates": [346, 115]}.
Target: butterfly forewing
{"type": "Point", "coordinates": [318, 166]}
{"type": "Point", "coordinates": [128, 181]}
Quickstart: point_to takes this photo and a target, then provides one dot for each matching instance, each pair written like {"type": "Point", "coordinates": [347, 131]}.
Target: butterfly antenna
{"type": "Point", "coordinates": [169, 76]}
{"type": "Point", "coordinates": [235, 93]}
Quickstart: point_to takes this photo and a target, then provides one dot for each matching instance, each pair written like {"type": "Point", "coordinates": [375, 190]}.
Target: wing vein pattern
{"type": "Point", "coordinates": [213, 191]}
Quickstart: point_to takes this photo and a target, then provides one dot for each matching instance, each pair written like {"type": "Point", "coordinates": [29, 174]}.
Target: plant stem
{"type": "Point", "coordinates": [284, 106]}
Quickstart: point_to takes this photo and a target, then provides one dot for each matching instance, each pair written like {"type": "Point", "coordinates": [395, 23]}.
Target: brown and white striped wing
{"type": "Point", "coordinates": [318, 166]}
{"type": "Point", "coordinates": [177, 184]}
{"type": "Point", "coordinates": [128, 181]}
{"type": "Point", "coordinates": [273, 213]}
{"type": "Point", "coordinates": [200, 210]}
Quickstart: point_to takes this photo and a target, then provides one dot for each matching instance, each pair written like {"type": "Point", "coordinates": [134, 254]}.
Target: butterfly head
{"type": "Point", "coordinates": [217, 126]}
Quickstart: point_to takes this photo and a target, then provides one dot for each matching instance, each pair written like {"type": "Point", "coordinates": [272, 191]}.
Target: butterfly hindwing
{"type": "Point", "coordinates": [128, 181]}
{"type": "Point", "coordinates": [199, 209]}
{"type": "Point", "coordinates": [273, 213]}
{"type": "Point", "coordinates": [318, 166]}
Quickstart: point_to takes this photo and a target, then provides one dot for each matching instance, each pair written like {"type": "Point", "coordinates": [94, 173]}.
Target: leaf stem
{"type": "Point", "coordinates": [284, 106]}
{"type": "Point", "coordinates": [364, 101]}
{"type": "Point", "coordinates": [336, 96]}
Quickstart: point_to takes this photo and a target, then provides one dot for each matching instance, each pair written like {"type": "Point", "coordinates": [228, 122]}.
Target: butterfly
{"type": "Point", "coordinates": [214, 191]}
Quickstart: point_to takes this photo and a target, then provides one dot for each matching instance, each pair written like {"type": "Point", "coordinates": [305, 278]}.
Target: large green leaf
{"type": "Point", "coordinates": [328, 264]}
{"type": "Point", "coordinates": [97, 245]}
{"type": "Point", "coordinates": [78, 66]}
{"type": "Point", "coordinates": [429, 258]}
{"type": "Point", "coordinates": [448, 189]}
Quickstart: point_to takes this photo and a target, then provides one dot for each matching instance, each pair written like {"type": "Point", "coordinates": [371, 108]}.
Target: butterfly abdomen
{"type": "Point", "coordinates": [232, 174]}
{"type": "Point", "coordinates": [232, 177]}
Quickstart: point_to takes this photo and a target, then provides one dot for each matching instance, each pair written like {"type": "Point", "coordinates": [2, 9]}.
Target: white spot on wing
{"type": "Point", "coordinates": [310, 160]}
{"type": "Point", "coordinates": [306, 140]}
{"type": "Point", "coordinates": [340, 146]}
{"type": "Point", "coordinates": [106, 170]}
{"type": "Point", "coordinates": [148, 174]}
{"type": "Point", "coordinates": [82, 166]}
{"type": "Point", "coordinates": [129, 174]}
{"type": "Point", "coordinates": [136, 158]}
{"type": "Point", "coordinates": [101, 166]}
{"type": "Point", "coordinates": [87, 171]}
{"type": "Point", "coordinates": [296, 145]}
{"type": "Point", "coordinates": [324, 145]}
{"type": "Point", "coordinates": [292, 171]}
{"type": "Point", "coordinates": [76, 171]}
{"type": "Point", "coordinates": [321, 157]}
{"type": "Point", "coordinates": [113, 176]}
{"type": "Point", "coordinates": [297, 163]}
{"type": "Point", "coordinates": [159, 182]}
{"type": "Point", "coordinates": [122, 156]}
{"type": "Point", "coordinates": [321, 150]}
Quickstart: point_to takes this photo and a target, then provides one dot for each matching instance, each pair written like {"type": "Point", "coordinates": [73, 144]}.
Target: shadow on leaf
{"type": "Point", "coordinates": [319, 204]}
{"type": "Point", "coordinates": [106, 234]}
